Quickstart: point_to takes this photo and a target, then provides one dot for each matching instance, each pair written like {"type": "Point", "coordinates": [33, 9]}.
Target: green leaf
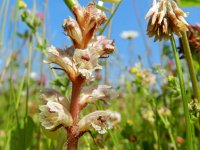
{"type": "Point", "coordinates": [22, 135]}
{"type": "Point", "coordinates": [103, 8]}
{"type": "Point", "coordinates": [187, 3]}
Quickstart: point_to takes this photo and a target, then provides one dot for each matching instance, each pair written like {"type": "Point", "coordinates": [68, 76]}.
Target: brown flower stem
{"type": "Point", "coordinates": [76, 90]}
{"type": "Point", "coordinates": [72, 141]}
{"type": "Point", "coordinates": [72, 132]}
{"type": "Point", "coordinates": [188, 56]}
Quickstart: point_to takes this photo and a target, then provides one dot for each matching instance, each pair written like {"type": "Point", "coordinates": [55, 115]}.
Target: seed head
{"type": "Point", "coordinates": [165, 18]}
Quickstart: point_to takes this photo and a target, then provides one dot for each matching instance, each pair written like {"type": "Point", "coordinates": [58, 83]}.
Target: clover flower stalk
{"type": "Point", "coordinates": [166, 19]}
{"type": "Point", "coordinates": [79, 62]}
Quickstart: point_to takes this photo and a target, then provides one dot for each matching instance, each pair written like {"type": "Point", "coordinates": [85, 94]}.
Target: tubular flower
{"type": "Point", "coordinates": [73, 31]}
{"type": "Point", "coordinates": [99, 120]}
{"type": "Point", "coordinates": [63, 59]}
{"type": "Point", "coordinates": [54, 112]}
{"type": "Point", "coordinates": [87, 62]}
{"type": "Point", "coordinates": [88, 21]}
{"type": "Point", "coordinates": [165, 17]}
{"type": "Point", "coordinates": [103, 45]}
{"type": "Point", "coordinates": [101, 92]}
{"type": "Point", "coordinates": [75, 62]}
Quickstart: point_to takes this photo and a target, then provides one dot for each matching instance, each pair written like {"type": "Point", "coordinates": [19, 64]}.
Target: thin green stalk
{"type": "Point", "coordinates": [167, 126]}
{"type": "Point", "coordinates": [110, 18]}
{"type": "Point", "coordinates": [4, 23]}
{"type": "Point", "coordinates": [27, 87]}
{"type": "Point", "coordinates": [188, 57]}
{"type": "Point", "coordinates": [172, 138]}
{"type": "Point", "coordinates": [183, 94]}
{"type": "Point", "coordinates": [106, 61]}
{"type": "Point", "coordinates": [70, 3]}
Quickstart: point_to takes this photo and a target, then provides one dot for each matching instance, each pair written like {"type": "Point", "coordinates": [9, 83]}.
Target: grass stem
{"type": "Point", "coordinates": [188, 57]}
{"type": "Point", "coordinates": [183, 94]}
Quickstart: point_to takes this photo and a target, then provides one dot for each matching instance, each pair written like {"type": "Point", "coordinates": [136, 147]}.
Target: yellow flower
{"type": "Point", "coordinates": [22, 4]}
{"type": "Point", "coordinates": [134, 70]}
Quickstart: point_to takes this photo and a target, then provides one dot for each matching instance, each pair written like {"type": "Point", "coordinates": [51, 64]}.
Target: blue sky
{"type": "Point", "coordinates": [124, 19]}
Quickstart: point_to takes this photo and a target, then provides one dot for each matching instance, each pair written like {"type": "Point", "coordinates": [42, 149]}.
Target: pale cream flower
{"type": "Point", "coordinates": [62, 58]}
{"type": "Point", "coordinates": [74, 32]}
{"type": "Point", "coordinates": [103, 45]}
{"type": "Point", "coordinates": [165, 17]}
{"type": "Point", "coordinates": [164, 111]}
{"type": "Point", "coordinates": [101, 121]}
{"type": "Point", "coordinates": [54, 110]}
{"type": "Point", "coordinates": [101, 92]}
{"type": "Point", "coordinates": [87, 62]}
{"type": "Point", "coordinates": [147, 77]}
{"type": "Point", "coordinates": [129, 34]}
{"type": "Point", "coordinates": [75, 62]}
{"type": "Point", "coordinates": [148, 115]}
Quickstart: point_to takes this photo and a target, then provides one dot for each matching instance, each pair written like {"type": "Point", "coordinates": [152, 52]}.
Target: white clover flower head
{"type": "Point", "coordinates": [129, 34]}
{"type": "Point", "coordinates": [54, 110]}
{"type": "Point", "coordinates": [101, 121]}
{"type": "Point", "coordinates": [165, 17]}
{"type": "Point", "coordinates": [33, 75]}
{"type": "Point", "coordinates": [101, 92]}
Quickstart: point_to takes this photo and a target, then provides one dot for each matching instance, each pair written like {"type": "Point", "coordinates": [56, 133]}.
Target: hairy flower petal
{"type": "Point", "coordinates": [101, 92]}
{"type": "Point", "coordinates": [99, 120]}
{"type": "Point", "coordinates": [103, 45]}
{"type": "Point", "coordinates": [55, 96]}
{"type": "Point", "coordinates": [62, 58]}
{"type": "Point", "coordinates": [89, 20]}
{"type": "Point", "coordinates": [54, 110]}
{"type": "Point", "coordinates": [86, 61]}
{"type": "Point", "coordinates": [73, 31]}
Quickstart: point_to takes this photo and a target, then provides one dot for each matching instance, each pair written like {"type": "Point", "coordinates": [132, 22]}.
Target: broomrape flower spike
{"type": "Point", "coordinates": [79, 62]}
{"type": "Point", "coordinates": [165, 18]}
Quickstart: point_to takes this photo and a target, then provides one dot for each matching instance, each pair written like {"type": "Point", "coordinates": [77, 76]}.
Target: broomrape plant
{"type": "Point", "coordinates": [79, 62]}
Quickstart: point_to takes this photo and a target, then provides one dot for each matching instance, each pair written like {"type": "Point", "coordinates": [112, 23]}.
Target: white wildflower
{"type": "Point", "coordinates": [101, 92]}
{"type": "Point", "coordinates": [99, 120]}
{"type": "Point", "coordinates": [129, 34]}
{"type": "Point", "coordinates": [54, 112]}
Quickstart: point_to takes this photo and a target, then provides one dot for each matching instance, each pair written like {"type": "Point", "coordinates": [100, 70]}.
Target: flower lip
{"type": "Point", "coordinates": [53, 115]}
{"type": "Point", "coordinates": [99, 120]}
